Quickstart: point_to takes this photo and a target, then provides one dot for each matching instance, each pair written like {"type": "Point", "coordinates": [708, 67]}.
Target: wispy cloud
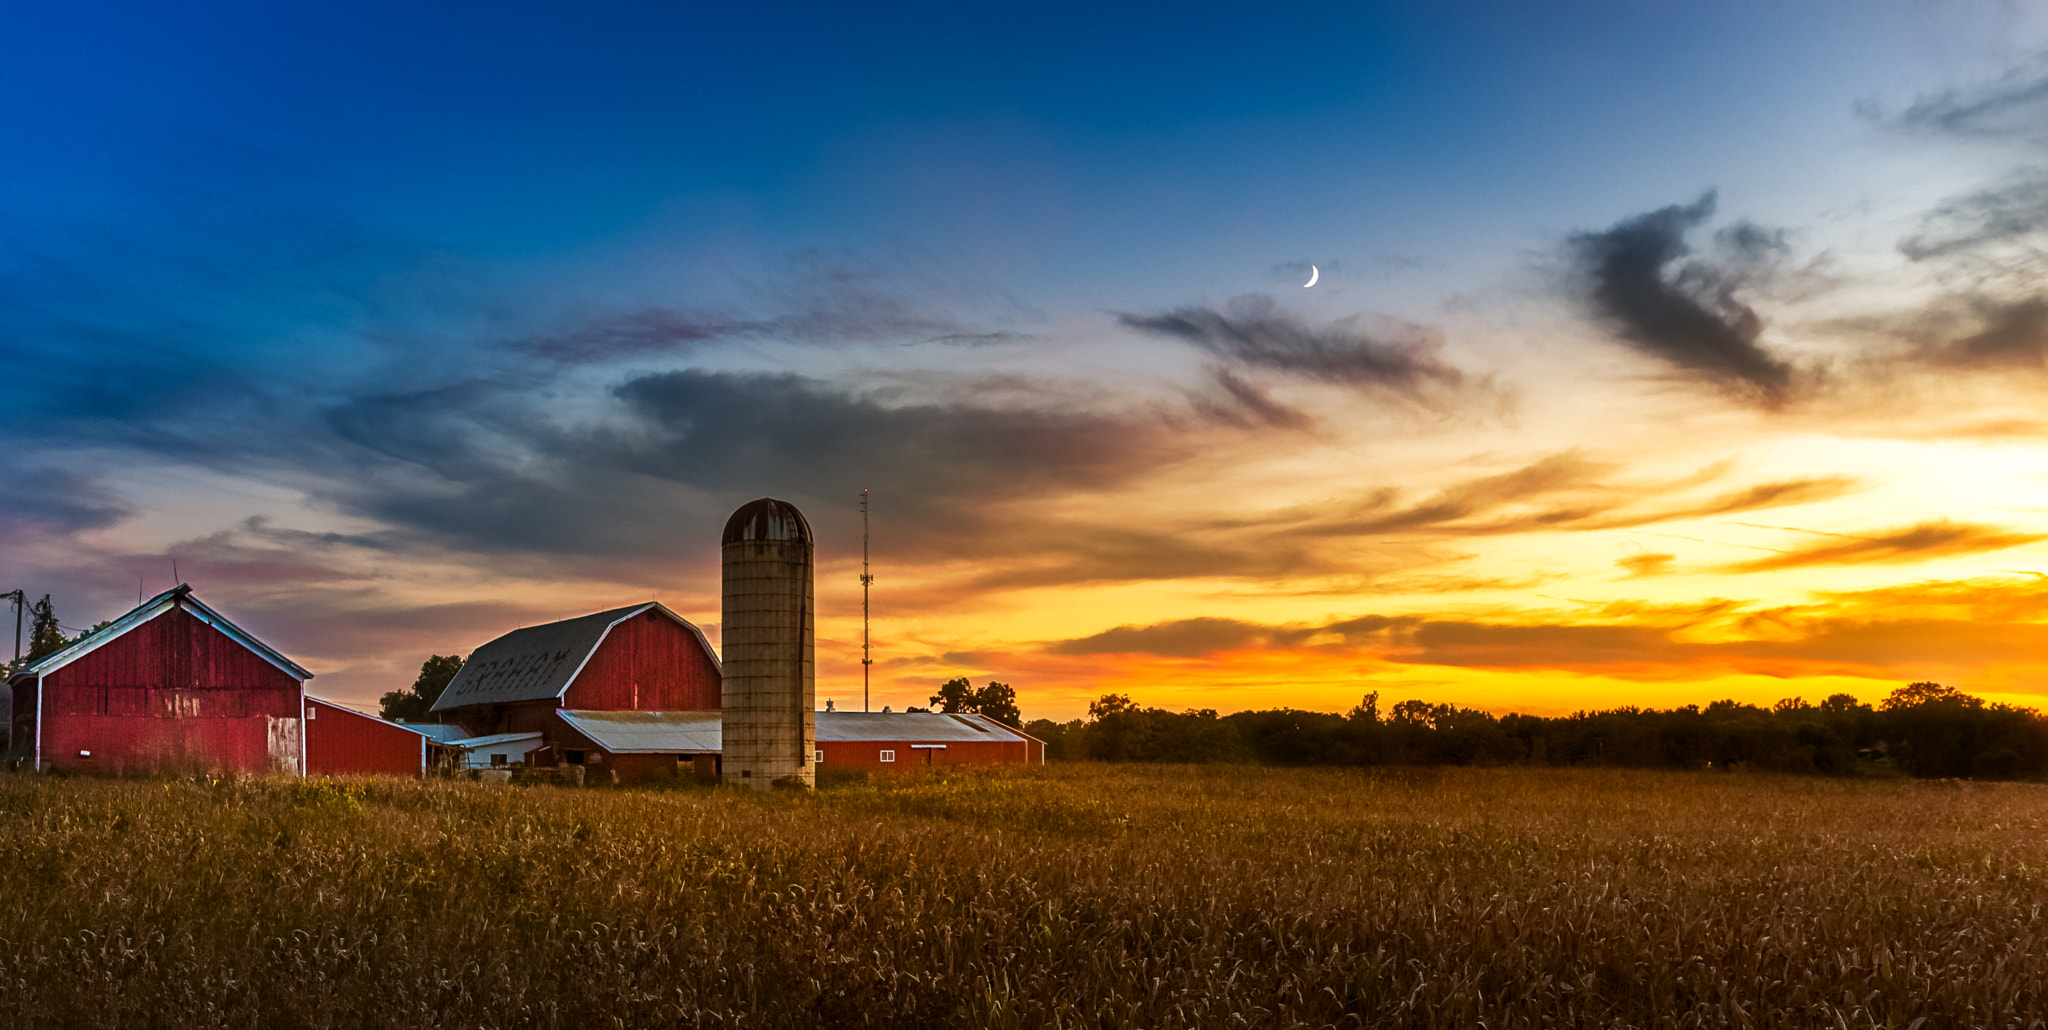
{"type": "Point", "coordinates": [1931, 539]}
{"type": "Point", "coordinates": [1255, 333]}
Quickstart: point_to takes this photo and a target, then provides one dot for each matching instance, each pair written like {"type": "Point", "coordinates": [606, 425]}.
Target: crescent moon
{"type": "Point", "coordinates": [1314, 274]}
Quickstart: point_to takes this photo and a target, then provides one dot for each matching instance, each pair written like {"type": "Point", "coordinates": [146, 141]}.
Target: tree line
{"type": "Point", "coordinates": [1923, 729]}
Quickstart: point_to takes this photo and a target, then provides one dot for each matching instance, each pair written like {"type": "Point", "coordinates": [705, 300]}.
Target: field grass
{"type": "Point", "coordinates": [1068, 896]}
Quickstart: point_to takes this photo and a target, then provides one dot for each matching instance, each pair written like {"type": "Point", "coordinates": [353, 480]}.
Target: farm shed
{"type": "Point", "coordinates": [903, 740]}
{"type": "Point", "coordinates": [640, 747]}
{"type": "Point", "coordinates": [638, 658]}
{"type": "Point", "coordinates": [170, 686]}
{"type": "Point", "coordinates": [344, 742]}
{"type": "Point", "coordinates": [495, 750]}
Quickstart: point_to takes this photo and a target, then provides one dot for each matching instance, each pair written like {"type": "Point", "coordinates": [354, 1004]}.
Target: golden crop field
{"type": "Point", "coordinates": [1097, 896]}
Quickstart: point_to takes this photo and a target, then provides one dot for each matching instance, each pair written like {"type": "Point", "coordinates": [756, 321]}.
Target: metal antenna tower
{"type": "Point", "coordinates": [865, 579]}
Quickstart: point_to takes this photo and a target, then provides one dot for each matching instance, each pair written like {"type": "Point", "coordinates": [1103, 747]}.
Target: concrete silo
{"type": "Point", "coordinates": [768, 642]}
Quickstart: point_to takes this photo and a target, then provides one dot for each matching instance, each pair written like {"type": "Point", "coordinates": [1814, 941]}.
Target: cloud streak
{"type": "Point", "coordinates": [1255, 333]}
{"type": "Point", "coordinates": [1932, 539]}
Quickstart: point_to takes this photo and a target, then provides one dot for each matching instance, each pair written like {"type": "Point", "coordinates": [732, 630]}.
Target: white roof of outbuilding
{"type": "Point", "coordinates": [935, 727]}
{"type": "Point", "coordinates": [497, 740]}
{"type": "Point", "coordinates": [624, 733]}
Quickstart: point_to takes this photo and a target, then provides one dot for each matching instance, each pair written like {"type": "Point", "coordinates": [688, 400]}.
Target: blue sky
{"type": "Point", "coordinates": [472, 311]}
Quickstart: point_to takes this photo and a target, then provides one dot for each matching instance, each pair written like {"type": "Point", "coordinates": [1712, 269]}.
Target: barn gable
{"type": "Point", "coordinates": [171, 684]}
{"type": "Point", "coordinates": [179, 596]}
{"type": "Point", "coordinates": [542, 663]}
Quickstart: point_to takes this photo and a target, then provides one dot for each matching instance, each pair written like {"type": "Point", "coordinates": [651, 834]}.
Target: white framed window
{"type": "Point", "coordinates": [888, 756]}
{"type": "Point", "coordinates": [818, 757]}
{"type": "Point", "coordinates": [593, 758]}
{"type": "Point", "coordinates": [312, 713]}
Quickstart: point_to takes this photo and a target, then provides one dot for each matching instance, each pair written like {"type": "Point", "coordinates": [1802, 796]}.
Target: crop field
{"type": "Point", "coordinates": [1096, 896]}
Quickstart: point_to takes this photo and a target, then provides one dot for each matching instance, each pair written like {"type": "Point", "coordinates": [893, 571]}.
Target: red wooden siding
{"type": "Point", "coordinates": [867, 754]}
{"type": "Point", "coordinates": [169, 695]}
{"type": "Point", "coordinates": [648, 663]}
{"type": "Point", "coordinates": [341, 742]}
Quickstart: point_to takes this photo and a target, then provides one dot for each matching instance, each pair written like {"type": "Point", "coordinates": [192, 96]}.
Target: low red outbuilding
{"type": "Point", "coordinates": [344, 742]}
{"type": "Point", "coordinates": [884, 741]}
{"type": "Point", "coordinates": [172, 686]}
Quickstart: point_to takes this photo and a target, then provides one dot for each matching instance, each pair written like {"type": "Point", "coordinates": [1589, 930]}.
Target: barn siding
{"type": "Point", "coordinates": [343, 742]}
{"type": "Point", "coordinates": [170, 695]}
{"type": "Point", "coordinates": [648, 663]}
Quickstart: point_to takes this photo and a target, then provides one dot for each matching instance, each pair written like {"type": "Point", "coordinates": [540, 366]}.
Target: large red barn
{"type": "Point", "coordinates": [171, 686]}
{"type": "Point", "coordinates": [639, 658]}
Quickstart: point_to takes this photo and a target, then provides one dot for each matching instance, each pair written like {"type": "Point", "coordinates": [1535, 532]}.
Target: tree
{"type": "Point", "coordinates": [46, 638]}
{"type": "Point", "coordinates": [1913, 695]}
{"type": "Point", "coordinates": [1110, 704]}
{"type": "Point", "coordinates": [955, 695]}
{"type": "Point", "coordinates": [416, 704]}
{"type": "Point", "coordinates": [999, 702]}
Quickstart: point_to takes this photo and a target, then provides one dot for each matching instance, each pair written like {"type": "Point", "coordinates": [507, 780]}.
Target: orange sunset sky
{"type": "Point", "coordinates": [1654, 357]}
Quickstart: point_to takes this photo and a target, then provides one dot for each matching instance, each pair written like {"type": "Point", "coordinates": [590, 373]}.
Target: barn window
{"type": "Point", "coordinates": [594, 758]}
{"type": "Point", "coordinates": [888, 756]}
{"type": "Point", "coordinates": [312, 713]}
{"type": "Point", "coordinates": [818, 756]}
{"type": "Point", "coordinates": [498, 761]}
{"type": "Point", "coordinates": [574, 757]}
{"type": "Point", "coordinates": [85, 754]}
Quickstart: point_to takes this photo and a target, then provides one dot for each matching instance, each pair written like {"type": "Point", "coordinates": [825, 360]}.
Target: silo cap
{"type": "Point", "coordinates": [767, 519]}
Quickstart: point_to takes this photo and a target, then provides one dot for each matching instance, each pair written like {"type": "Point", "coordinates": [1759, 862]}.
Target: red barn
{"type": "Point", "coordinates": [639, 658]}
{"type": "Point", "coordinates": [882, 741]}
{"type": "Point", "coordinates": [344, 742]}
{"type": "Point", "coordinates": [172, 686]}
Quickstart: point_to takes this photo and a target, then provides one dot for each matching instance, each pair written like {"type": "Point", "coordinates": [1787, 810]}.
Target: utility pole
{"type": "Point", "coordinates": [865, 579]}
{"type": "Point", "coordinates": [20, 600]}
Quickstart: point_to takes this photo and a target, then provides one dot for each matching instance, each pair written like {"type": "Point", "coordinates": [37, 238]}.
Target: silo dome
{"type": "Point", "coordinates": [767, 519]}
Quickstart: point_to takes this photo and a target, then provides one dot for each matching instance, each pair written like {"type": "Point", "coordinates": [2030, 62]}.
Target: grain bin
{"type": "Point", "coordinates": [768, 637]}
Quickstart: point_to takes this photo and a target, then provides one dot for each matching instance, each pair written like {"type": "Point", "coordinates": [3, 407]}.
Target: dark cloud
{"type": "Point", "coordinates": [1930, 539]}
{"type": "Point", "coordinates": [2013, 335]}
{"type": "Point", "coordinates": [488, 471]}
{"type": "Point", "coordinates": [1635, 277]}
{"type": "Point", "coordinates": [1256, 334]}
{"type": "Point", "coordinates": [61, 500]}
{"type": "Point", "coordinates": [812, 301]}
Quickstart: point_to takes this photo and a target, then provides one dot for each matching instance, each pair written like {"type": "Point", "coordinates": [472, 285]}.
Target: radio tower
{"type": "Point", "coordinates": [865, 579]}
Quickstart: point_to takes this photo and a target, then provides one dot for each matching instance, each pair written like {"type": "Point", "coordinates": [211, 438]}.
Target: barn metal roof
{"type": "Point", "coordinates": [496, 740]}
{"type": "Point", "coordinates": [649, 732]}
{"type": "Point", "coordinates": [671, 733]}
{"type": "Point", "coordinates": [438, 732]}
{"type": "Point", "coordinates": [934, 727]}
{"type": "Point", "coordinates": [540, 662]}
{"type": "Point", "coordinates": [179, 596]}
{"type": "Point", "coordinates": [408, 727]}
